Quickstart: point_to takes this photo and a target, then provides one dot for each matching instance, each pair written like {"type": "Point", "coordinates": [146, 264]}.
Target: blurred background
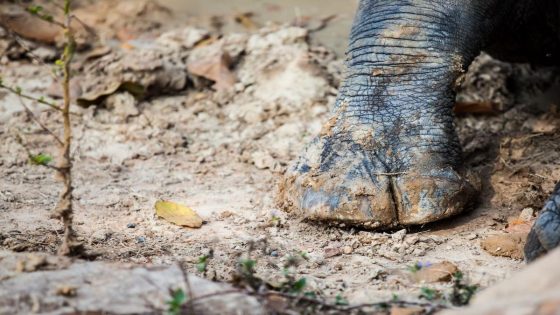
{"type": "Point", "coordinates": [332, 17]}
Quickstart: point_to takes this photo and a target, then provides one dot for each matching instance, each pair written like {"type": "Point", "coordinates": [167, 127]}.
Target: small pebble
{"type": "Point", "coordinates": [274, 253]}
{"type": "Point", "coordinates": [399, 235]}
{"type": "Point", "coordinates": [527, 214]}
{"type": "Point", "coordinates": [100, 235]}
{"type": "Point", "coordinates": [140, 239]}
{"type": "Point", "coordinates": [131, 225]}
{"type": "Point", "coordinates": [332, 252]}
{"type": "Point", "coordinates": [413, 239]}
{"type": "Point", "coordinates": [347, 250]}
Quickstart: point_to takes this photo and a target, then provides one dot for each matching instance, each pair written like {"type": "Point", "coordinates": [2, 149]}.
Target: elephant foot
{"type": "Point", "coordinates": [545, 234]}
{"type": "Point", "coordinates": [376, 177]}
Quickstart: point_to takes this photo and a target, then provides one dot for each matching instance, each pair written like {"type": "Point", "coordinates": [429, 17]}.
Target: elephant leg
{"type": "Point", "coordinates": [389, 154]}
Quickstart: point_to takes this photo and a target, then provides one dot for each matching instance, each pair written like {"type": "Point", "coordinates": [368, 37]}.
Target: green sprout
{"type": "Point", "coordinates": [40, 159]}
{"type": "Point", "coordinates": [340, 300]}
{"type": "Point", "coordinates": [202, 263]}
{"type": "Point", "coordinates": [429, 293]}
{"type": "Point", "coordinates": [178, 298]}
{"type": "Point", "coordinates": [462, 293]}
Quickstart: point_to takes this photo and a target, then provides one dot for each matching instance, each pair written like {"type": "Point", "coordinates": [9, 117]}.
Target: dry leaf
{"type": "Point", "coordinates": [476, 108]}
{"type": "Point", "coordinates": [16, 19]}
{"type": "Point", "coordinates": [246, 19]}
{"type": "Point", "coordinates": [178, 214]}
{"type": "Point", "coordinates": [547, 125]}
{"type": "Point", "coordinates": [215, 67]}
{"type": "Point", "coordinates": [207, 41]}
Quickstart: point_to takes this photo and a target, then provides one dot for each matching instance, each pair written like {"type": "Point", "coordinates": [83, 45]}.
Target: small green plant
{"type": "Point", "coordinates": [340, 300]}
{"type": "Point", "coordinates": [248, 266]}
{"type": "Point", "coordinates": [202, 263]}
{"type": "Point", "coordinates": [40, 159]}
{"type": "Point", "coordinates": [462, 292]}
{"type": "Point", "coordinates": [298, 286]}
{"type": "Point", "coordinates": [245, 275]}
{"type": "Point", "coordinates": [275, 221]}
{"type": "Point", "coordinates": [301, 300]}
{"type": "Point", "coordinates": [304, 255]}
{"type": "Point", "coordinates": [429, 294]}
{"type": "Point", "coordinates": [418, 266]}
{"type": "Point", "coordinates": [178, 299]}
{"type": "Point", "coordinates": [38, 11]}
{"type": "Point", "coordinates": [414, 268]}
{"type": "Point", "coordinates": [291, 284]}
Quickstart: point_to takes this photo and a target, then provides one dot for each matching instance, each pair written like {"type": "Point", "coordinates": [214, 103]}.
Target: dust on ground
{"type": "Point", "coordinates": [221, 149]}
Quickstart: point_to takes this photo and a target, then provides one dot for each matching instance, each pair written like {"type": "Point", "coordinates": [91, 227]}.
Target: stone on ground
{"type": "Point", "coordinates": [534, 290]}
{"type": "Point", "coordinates": [41, 284]}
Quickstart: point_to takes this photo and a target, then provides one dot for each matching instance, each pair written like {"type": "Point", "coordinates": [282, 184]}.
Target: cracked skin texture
{"type": "Point", "coordinates": [341, 178]}
{"type": "Point", "coordinates": [370, 195]}
{"type": "Point", "coordinates": [389, 154]}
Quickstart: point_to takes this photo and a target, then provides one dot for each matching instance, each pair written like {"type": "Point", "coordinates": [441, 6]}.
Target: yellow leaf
{"type": "Point", "coordinates": [178, 214]}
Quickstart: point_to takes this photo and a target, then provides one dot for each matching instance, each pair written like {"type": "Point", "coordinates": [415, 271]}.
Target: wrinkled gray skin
{"type": "Point", "coordinates": [389, 155]}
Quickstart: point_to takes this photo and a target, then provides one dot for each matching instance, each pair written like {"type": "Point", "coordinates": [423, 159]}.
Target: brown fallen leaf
{"type": "Point", "coordinates": [207, 41]}
{"type": "Point", "coordinates": [476, 108]}
{"type": "Point", "coordinates": [547, 124]}
{"type": "Point", "coordinates": [214, 67]}
{"type": "Point", "coordinates": [16, 19]}
{"type": "Point", "coordinates": [178, 214]}
{"type": "Point", "coordinates": [246, 19]}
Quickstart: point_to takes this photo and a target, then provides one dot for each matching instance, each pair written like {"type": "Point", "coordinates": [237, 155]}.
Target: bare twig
{"type": "Point", "coordinates": [64, 208]}
{"type": "Point", "coordinates": [188, 306]}
{"type": "Point", "coordinates": [39, 100]}
{"type": "Point", "coordinates": [86, 27]}
{"type": "Point", "coordinates": [324, 22]}
{"type": "Point", "coordinates": [323, 304]}
{"type": "Point", "coordinates": [191, 301]}
{"type": "Point", "coordinates": [34, 118]}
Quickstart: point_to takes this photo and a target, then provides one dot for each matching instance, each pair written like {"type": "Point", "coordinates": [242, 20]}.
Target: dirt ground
{"type": "Point", "coordinates": [221, 148]}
